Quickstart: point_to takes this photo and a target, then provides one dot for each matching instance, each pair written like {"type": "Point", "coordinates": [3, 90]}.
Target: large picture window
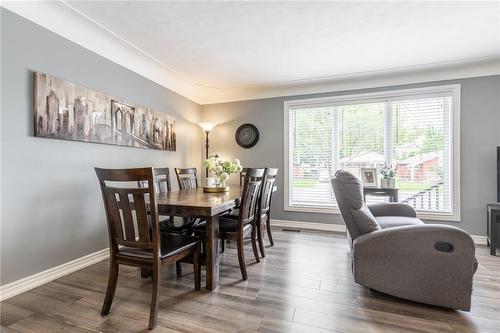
{"type": "Point", "coordinates": [416, 131]}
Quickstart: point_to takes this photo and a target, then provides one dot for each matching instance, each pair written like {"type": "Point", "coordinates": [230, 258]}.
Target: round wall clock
{"type": "Point", "coordinates": [247, 135]}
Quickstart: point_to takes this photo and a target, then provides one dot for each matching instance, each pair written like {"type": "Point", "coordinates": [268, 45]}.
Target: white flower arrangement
{"type": "Point", "coordinates": [221, 169]}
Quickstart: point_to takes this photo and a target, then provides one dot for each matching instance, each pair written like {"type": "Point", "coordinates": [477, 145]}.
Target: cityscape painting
{"type": "Point", "coordinates": [64, 110]}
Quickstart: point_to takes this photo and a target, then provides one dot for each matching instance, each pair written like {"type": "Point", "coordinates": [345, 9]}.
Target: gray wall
{"type": "Point", "coordinates": [51, 205]}
{"type": "Point", "coordinates": [480, 134]}
{"type": "Point", "coordinates": [51, 209]}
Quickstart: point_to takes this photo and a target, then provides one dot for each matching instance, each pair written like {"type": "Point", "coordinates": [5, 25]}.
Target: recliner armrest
{"type": "Point", "coordinates": [402, 238]}
{"type": "Point", "coordinates": [392, 209]}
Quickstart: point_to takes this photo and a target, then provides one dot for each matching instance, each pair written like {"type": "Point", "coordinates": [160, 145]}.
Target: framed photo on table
{"type": "Point", "coordinates": [369, 177]}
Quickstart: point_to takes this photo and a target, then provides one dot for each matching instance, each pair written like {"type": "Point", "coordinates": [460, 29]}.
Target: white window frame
{"type": "Point", "coordinates": [454, 89]}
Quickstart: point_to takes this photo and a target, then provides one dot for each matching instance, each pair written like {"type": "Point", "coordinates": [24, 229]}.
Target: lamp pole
{"type": "Point", "coordinates": [206, 151]}
{"type": "Point", "coordinates": [207, 127]}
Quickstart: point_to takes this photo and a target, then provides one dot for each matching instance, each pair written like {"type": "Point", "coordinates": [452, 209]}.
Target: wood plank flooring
{"type": "Point", "coordinates": [303, 285]}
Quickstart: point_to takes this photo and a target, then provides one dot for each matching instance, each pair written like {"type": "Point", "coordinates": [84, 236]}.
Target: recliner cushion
{"type": "Point", "coordinates": [397, 221]}
{"type": "Point", "coordinates": [365, 220]}
{"type": "Point", "coordinates": [351, 190]}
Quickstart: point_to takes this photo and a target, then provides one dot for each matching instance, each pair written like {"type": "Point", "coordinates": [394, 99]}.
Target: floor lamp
{"type": "Point", "coordinates": [207, 127]}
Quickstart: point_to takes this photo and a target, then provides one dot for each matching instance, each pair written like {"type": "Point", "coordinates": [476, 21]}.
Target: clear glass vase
{"type": "Point", "coordinates": [388, 183]}
{"type": "Point", "coordinates": [220, 182]}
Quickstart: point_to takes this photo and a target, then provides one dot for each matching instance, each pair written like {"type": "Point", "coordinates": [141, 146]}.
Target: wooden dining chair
{"type": "Point", "coordinates": [184, 226]}
{"type": "Point", "coordinates": [234, 212]}
{"type": "Point", "coordinates": [161, 180]}
{"type": "Point", "coordinates": [134, 235]}
{"type": "Point", "coordinates": [263, 215]}
{"type": "Point", "coordinates": [243, 174]}
{"type": "Point", "coordinates": [167, 224]}
{"type": "Point", "coordinates": [187, 178]}
{"type": "Point", "coordinates": [240, 228]}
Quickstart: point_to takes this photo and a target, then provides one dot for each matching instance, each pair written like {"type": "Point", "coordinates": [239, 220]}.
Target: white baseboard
{"type": "Point", "coordinates": [478, 240]}
{"type": "Point", "coordinates": [308, 225]}
{"type": "Point", "coordinates": [20, 286]}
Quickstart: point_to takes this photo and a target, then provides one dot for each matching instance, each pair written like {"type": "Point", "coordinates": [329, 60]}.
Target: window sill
{"type": "Point", "coordinates": [438, 217]}
{"type": "Point", "coordinates": [336, 211]}
{"type": "Point", "coordinates": [313, 209]}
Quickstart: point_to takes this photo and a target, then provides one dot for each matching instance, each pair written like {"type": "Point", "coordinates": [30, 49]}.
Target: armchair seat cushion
{"type": "Point", "coordinates": [396, 221]}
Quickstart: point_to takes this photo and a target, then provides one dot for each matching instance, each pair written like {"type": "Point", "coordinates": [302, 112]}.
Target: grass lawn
{"type": "Point", "coordinates": [412, 186]}
{"type": "Point", "coordinates": [402, 186]}
{"type": "Point", "coordinates": [305, 183]}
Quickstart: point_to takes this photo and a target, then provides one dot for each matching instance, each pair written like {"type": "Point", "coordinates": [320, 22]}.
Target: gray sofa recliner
{"type": "Point", "coordinates": [394, 252]}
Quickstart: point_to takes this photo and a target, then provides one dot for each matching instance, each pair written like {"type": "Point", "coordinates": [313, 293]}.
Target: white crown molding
{"type": "Point", "coordinates": [62, 19]}
{"type": "Point", "coordinates": [20, 286]}
{"type": "Point", "coordinates": [400, 76]}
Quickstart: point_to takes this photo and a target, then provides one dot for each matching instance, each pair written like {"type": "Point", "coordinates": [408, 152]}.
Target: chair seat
{"type": "Point", "coordinates": [235, 216]}
{"type": "Point", "coordinates": [184, 227]}
{"type": "Point", "coordinates": [396, 221]}
{"type": "Point", "coordinates": [232, 216]}
{"type": "Point", "coordinates": [170, 245]}
{"type": "Point", "coordinates": [225, 225]}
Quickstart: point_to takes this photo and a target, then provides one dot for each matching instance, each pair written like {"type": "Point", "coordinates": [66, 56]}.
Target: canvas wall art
{"type": "Point", "coordinates": [64, 110]}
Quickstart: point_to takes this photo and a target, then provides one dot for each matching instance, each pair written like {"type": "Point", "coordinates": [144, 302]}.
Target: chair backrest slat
{"type": "Point", "coordinates": [161, 180]}
{"type": "Point", "coordinates": [128, 216]}
{"type": "Point", "coordinates": [250, 195]}
{"type": "Point", "coordinates": [128, 220]}
{"type": "Point", "coordinates": [267, 190]}
{"type": "Point", "coordinates": [141, 215]}
{"type": "Point", "coordinates": [113, 214]}
{"type": "Point", "coordinates": [187, 178]}
{"type": "Point", "coordinates": [243, 174]}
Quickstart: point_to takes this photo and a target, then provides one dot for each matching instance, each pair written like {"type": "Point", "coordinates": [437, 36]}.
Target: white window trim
{"type": "Point", "coordinates": [455, 90]}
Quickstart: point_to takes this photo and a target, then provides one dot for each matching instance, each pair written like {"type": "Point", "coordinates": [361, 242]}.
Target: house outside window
{"type": "Point", "coordinates": [415, 130]}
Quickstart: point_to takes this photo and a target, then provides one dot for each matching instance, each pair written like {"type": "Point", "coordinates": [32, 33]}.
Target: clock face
{"type": "Point", "coordinates": [247, 135]}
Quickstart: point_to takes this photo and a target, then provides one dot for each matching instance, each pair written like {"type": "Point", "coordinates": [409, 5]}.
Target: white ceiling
{"type": "Point", "coordinates": [225, 48]}
{"type": "Point", "coordinates": [231, 44]}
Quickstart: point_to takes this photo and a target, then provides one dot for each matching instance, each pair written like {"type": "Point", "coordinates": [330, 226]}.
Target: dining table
{"type": "Point", "coordinates": [195, 203]}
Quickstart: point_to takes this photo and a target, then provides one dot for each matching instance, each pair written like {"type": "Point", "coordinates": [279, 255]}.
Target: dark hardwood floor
{"type": "Point", "coordinates": [303, 285]}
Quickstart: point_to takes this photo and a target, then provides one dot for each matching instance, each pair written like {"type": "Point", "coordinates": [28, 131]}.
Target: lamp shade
{"type": "Point", "coordinates": [207, 126]}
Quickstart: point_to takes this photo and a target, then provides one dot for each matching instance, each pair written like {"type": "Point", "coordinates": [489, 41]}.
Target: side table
{"type": "Point", "coordinates": [492, 226]}
{"type": "Point", "coordinates": [392, 193]}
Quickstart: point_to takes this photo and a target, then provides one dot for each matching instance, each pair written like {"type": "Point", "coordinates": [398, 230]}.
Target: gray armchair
{"type": "Point", "coordinates": [394, 252]}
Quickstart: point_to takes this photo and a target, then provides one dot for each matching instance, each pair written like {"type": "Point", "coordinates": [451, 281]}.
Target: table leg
{"type": "Point", "coordinates": [212, 252]}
